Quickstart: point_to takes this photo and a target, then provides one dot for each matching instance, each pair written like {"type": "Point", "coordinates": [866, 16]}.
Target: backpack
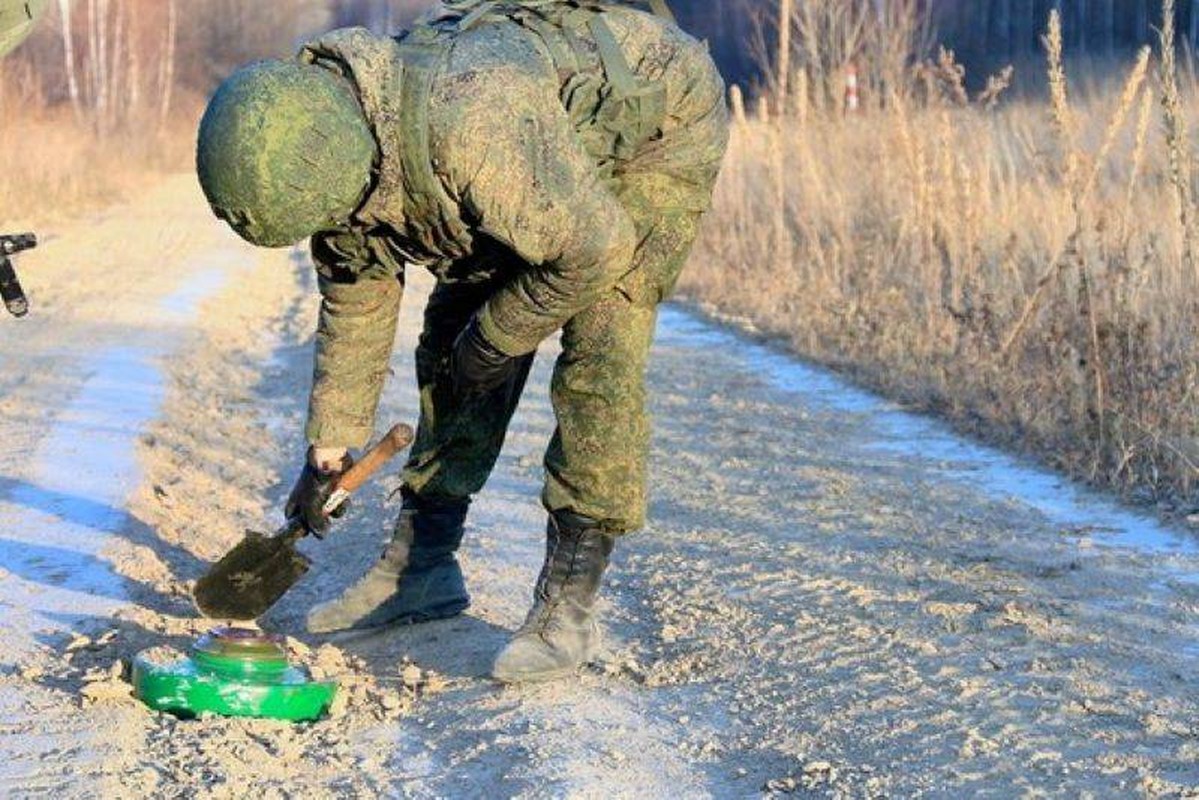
{"type": "Point", "coordinates": [613, 111]}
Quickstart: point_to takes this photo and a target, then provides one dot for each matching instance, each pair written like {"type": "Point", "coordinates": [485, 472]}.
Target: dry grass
{"type": "Point", "coordinates": [106, 96]}
{"type": "Point", "coordinates": [1027, 271]}
{"type": "Point", "coordinates": [55, 166]}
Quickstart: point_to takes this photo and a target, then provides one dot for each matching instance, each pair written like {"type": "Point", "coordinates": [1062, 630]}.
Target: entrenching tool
{"type": "Point", "coordinates": [260, 570]}
{"type": "Point", "coordinates": [233, 673]}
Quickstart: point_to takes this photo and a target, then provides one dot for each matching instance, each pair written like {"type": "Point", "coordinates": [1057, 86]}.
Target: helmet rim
{"type": "Point", "coordinates": [284, 150]}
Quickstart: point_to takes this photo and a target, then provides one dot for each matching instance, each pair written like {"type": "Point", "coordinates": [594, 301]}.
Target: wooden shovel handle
{"type": "Point", "coordinates": [399, 437]}
{"type": "Point", "coordinates": [396, 440]}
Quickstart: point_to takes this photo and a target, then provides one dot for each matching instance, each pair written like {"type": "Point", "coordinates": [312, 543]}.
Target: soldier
{"type": "Point", "coordinates": [17, 19]}
{"type": "Point", "coordinates": [549, 161]}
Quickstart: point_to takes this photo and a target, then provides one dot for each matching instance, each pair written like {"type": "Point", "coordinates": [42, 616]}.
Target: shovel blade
{"type": "Point", "coordinates": [251, 578]}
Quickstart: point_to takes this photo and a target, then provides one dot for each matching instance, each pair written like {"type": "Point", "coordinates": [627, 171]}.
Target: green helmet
{"type": "Point", "coordinates": [284, 151]}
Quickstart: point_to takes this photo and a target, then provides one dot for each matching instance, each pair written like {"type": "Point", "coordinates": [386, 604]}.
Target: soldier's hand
{"type": "Point", "coordinates": [476, 366]}
{"type": "Point", "coordinates": [312, 490]}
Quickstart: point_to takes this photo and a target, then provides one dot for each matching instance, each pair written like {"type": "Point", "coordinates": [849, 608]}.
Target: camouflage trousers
{"type": "Point", "coordinates": [595, 464]}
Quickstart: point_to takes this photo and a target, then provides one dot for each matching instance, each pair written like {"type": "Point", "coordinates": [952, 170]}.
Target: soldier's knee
{"type": "Point", "coordinates": [609, 375]}
{"type": "Point", "coordinates": [594, 382]}
{"type": "Point", "coordinates": [603, 359]}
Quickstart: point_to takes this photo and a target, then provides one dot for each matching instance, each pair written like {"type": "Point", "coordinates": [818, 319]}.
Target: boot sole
{"type": "Point", "coordinates": [535, 677]}
{"type": "Point", "coordinates": [443, 611]}
{"type": "Point", "coordinates": [546, 676]}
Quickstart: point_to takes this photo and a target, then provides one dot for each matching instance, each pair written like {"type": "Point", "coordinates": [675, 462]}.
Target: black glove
{"type": "Point", "coordinates": [476, 366]}
{"type": "Point", "coordinates": [313, 488]}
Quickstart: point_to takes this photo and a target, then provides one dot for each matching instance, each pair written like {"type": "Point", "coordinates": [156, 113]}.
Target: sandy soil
{"type": "Point", "coordinates": [818, 608]}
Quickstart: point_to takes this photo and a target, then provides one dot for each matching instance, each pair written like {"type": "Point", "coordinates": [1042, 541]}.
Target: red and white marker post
{"type": "Point", "coordinates": [852, 100]}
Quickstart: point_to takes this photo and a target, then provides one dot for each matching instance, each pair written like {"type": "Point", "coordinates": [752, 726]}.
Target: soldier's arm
{"type": "Point", "coordinates": [532, 187]}
{"type": "Point", "coordinates": [361, 288]}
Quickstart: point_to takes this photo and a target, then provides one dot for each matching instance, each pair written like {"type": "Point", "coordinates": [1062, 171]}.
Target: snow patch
{"type": "Point", "coordinates": [947, 454]}
{"type": "Point", "coordinates": [71, 502]}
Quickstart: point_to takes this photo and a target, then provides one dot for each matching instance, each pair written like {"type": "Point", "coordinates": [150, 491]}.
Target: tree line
{"type": "Point", "coordinates": [743, 34]}
{"type": "Point", "coordinates": [1011, 29]}
{"type": "Point", "coordinates": [112, 60]}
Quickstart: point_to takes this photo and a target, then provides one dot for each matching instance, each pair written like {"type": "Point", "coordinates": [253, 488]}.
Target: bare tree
{"type": "Point", "coordinates": [381, 16]}
{"type": "Point", "coordinates": [1141, 23]}
{"type": "Point", "coordinates": [166, 76]}
{"type": "Point", "coordinates": [68, 49]}
{"type": "Point", "coordinates": [1024, 24]}
{"type": "Point", "coordinates": [1107, 25]}
{"type": "Point", "coordinates": [783, 76]}
{"type": "Point", "coordinates": [1003, 25]}
{"type": "Point", "coordinates": [1082, 20]}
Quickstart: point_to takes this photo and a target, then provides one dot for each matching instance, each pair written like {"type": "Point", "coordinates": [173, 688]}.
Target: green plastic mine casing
{"type": "Point", "coordinates": [232, 673]}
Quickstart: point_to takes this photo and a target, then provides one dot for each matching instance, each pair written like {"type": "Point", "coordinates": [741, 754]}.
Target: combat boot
{"type": "Point", "coordinates": [417, 578]}
{"type": "Point", "coordinates": [561, 631]}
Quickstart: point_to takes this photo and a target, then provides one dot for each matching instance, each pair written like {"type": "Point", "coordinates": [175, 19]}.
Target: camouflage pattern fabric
{"type": "Point", "coordinates": [546, 217]}
{"type": "Point", "coordinates": [255, 145]}
{"type": "Point", "coordinates": [17, 18]}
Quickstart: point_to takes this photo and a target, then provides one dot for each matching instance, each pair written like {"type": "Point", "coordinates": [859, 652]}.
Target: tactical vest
{"type": "Point", "coordinates": [614, 112]}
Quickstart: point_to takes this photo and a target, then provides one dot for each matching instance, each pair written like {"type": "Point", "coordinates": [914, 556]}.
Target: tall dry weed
{"type": "Point", "coordinates": [1024, 268]}
{"type": "Point", "coordinates": [56, 165]}
{"type": "Point", "coordinates": [1177, 135]}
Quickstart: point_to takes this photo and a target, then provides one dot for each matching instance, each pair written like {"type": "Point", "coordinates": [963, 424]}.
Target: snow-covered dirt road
{"type": "Point", "coordinates": [834, 598]}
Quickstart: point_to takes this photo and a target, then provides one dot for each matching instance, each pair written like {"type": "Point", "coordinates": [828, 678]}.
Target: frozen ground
{"type": "Point", "coordinates": [835, 597]}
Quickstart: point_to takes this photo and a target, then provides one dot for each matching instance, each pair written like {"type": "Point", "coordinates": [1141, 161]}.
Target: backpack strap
{"type": "Point", "coordinates": [616, 66]}
{"type": "Point", "coordinates": [634, 110]}
{"type": "Point", "coordinates": [431, 217]}
{"type": "Point", "coordinates": [661, 8]}
{"type": "Point", "coordinates": [474, 15]}
{"type": "Point", "coordinates": [466, 13]}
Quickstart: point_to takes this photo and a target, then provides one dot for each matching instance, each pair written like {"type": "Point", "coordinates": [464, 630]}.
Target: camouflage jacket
{"type": "Point", "coordinates": [495, 147]}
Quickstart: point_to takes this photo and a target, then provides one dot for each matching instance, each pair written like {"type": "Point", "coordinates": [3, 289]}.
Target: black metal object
{"type": "Point", "coordinates": [260, 570]}
{"type": "Point", "coordinates": [253, 576]}
{"type": "Point", "coordinates": [10, 287]}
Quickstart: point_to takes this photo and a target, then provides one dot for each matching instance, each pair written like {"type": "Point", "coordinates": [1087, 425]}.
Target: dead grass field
{"type": "Point", "coordinates": [1029, 270]}
{"type": "Point", "coordinates": [56, 166]}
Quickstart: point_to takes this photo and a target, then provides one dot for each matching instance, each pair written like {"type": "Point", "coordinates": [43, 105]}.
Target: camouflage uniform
{"type": "Point", "coordinates": [17, 18]}
{"type": "Point", "coordinates": [545, 191]}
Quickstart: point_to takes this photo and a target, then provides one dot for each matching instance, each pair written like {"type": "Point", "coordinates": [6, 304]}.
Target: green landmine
{"type": "Point", "coordinates": [231, 672]}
